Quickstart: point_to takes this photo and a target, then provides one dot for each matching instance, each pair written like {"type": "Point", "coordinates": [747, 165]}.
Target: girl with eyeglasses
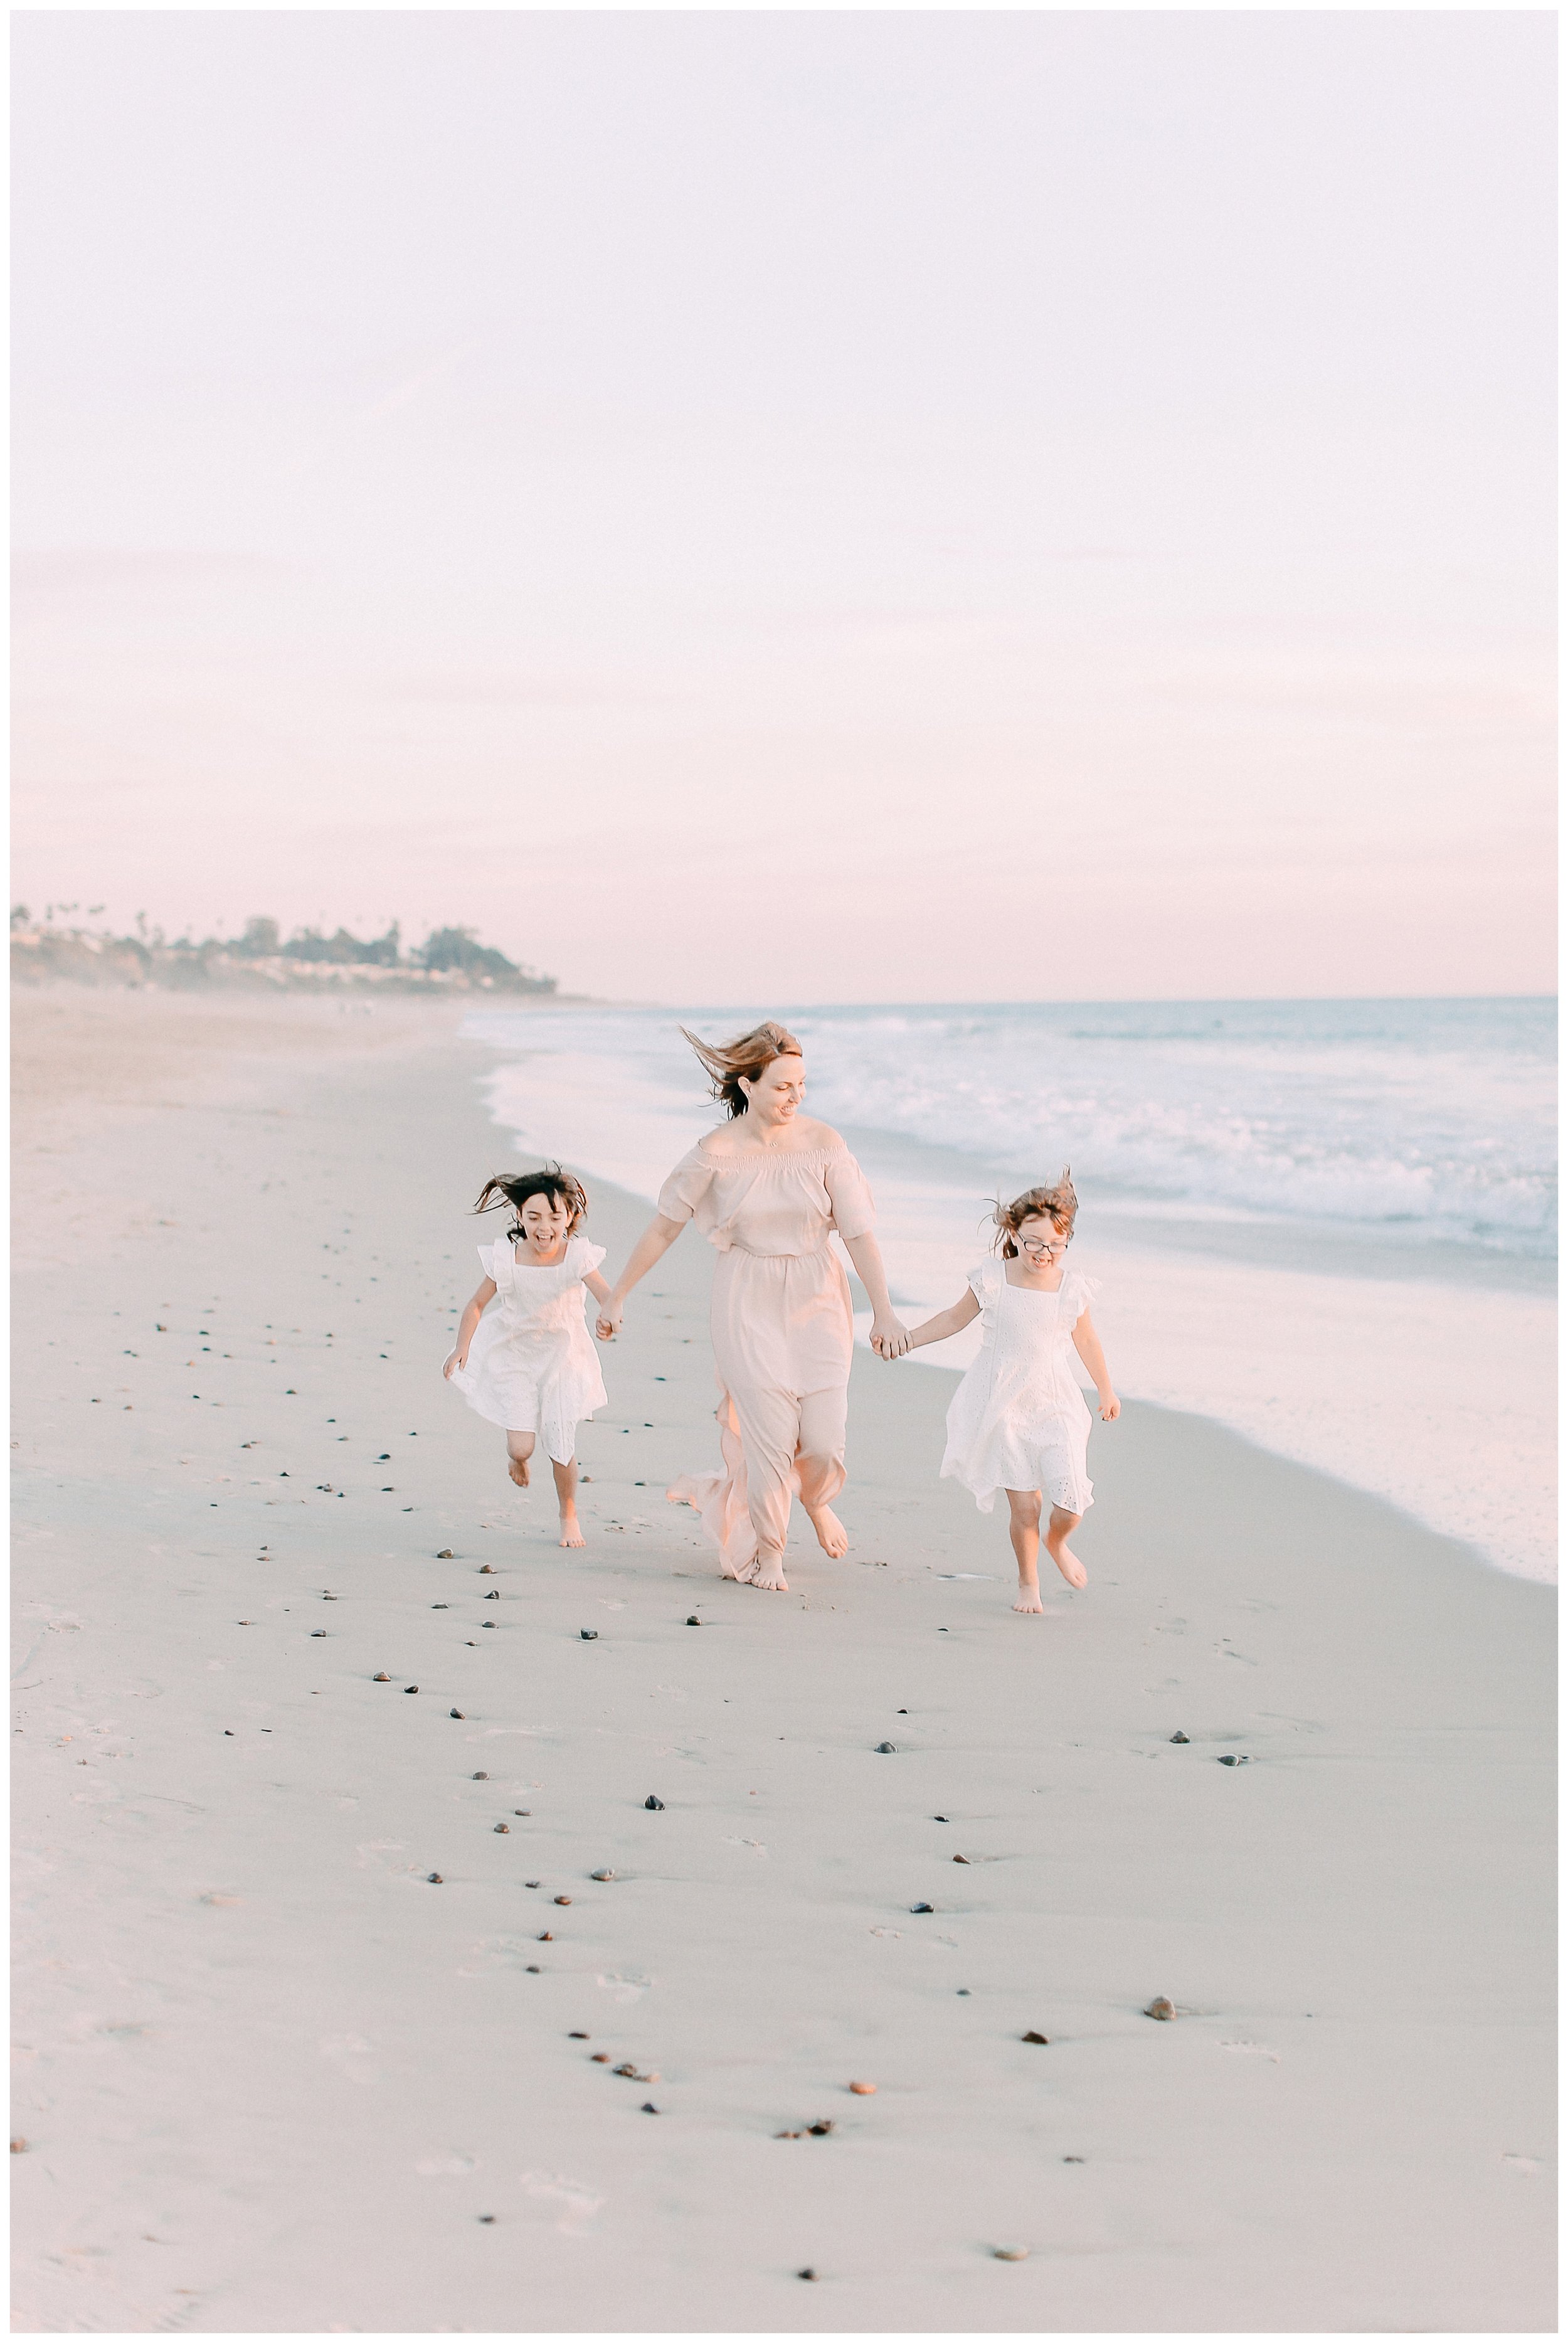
{"type": "Point", "coordinates": [1018, 1420]}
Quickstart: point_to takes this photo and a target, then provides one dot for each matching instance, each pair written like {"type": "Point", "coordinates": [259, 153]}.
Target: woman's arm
{"type": "Point", "coordinates": [483, 1295]}
{"type": "Point", "coordinates": [1086, 1342]}
{"type": "Point", "coordinates": [651, 1246]}
{"type": "Point", "coordinates": [964, 1312]}
{"type": "Point", "coordinates": [890, 1335]}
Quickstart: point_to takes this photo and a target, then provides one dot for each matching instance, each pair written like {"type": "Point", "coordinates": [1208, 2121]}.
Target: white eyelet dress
{"type": "Point", "coordinates": [1018, 1420]}
{"type": "Point", "coordinates": [783, 1332]}
{"type": "Point", "coordinates": [532, 1365]}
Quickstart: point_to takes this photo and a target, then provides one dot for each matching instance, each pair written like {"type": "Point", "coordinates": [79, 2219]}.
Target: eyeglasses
{"type": "Point", "coordinates": [1048, 1246]}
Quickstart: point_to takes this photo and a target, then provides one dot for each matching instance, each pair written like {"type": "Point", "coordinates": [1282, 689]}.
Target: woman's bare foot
{"type": "Point", "coordinates": [1029, 1599]}
{"type": "Point", "coordinates": [518, 1466]}
{"type": "Point", "coordinates": [768, 1570]}
{"type": "Point", "coordinates": [832, 1535]}
{"type": "Point", "coordinates": [571, 1530]}
{"type": "Point", "coordinates": [1069, 1564]}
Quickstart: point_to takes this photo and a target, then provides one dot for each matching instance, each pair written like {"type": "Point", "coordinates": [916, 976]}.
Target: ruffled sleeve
{"type": "Point", "coordinates": [985, 1279]}
{"type": "Point", "coordinates": [584, 1257]}
{"type": "Point", "coordinates": [499, 1260]}
{"type": "Point", "coordinates": [685, 1186]}
{"type": "Point", "coordinates": [1079, 1292]}
{"type": "Point", "coordinates": [854, 1213]}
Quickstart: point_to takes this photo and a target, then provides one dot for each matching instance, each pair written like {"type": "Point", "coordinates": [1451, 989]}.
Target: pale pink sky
{"type": "Point", "coordinates": [831, 506]}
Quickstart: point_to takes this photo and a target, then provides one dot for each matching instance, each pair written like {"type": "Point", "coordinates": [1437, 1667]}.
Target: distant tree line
{"type": "Point", "coordinates": [448, 956]}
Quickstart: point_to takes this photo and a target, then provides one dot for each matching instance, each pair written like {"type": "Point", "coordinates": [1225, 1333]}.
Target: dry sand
{"type": "Point", "coordinates": [272, 2079]}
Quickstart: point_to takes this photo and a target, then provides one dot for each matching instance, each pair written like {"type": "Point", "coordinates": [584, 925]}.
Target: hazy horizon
{"type": "Point", "coordinates": [824, 507]}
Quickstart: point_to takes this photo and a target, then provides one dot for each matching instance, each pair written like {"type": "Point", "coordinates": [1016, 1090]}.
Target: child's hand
{"type": "Point", "coordinates": [1110, 1407]}
{"type": "Point", "coordinates": [457, 1360]}
{"type": "Point", "coordinates": [608, 1325]}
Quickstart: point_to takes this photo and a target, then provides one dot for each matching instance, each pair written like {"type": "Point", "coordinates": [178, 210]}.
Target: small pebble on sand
{"type": "Point", "coordinates": [446, 1553]}
{"type": "Point", "coordinates": [961, 1858]}
{"type": "Point", "coordinates": [589, 1634]}
{"type": "Point", "coordinates": [1181, 1736]}
{"type": "Point", "coordinates": [458, 1713]}
{"type": "Point", "coordinates": [1235, 1761]}
{"type": "Point", "coordinates": [1161, 2007]}
{"type": "Point", "coordinates": [805, 2273]}
{"type": "Point", "coordinates": [864, 2090]}
{"type": "Point", "coordinates": [544, 1938]}
{"type": "Point", "coordinates": [493, 1597]}
{"type": "Point", "coordinates": [1032, 2036]}
{"type": "Point", "coordinates": [600, 2057]}
{"type": "Point", "coordinates": [694, 1621]}
{"type": "Point", "coordinates": [922, 1907]}
{"type": "Point", "coordinates": [18, 2145]}
{"type": "Point", "coordinates": [410, 1687]}
{"type": "Point", "coordinates": [654, 1806]}
{"type": "Point", "coordinates": [434, 1877]}
{"type": "Point", "coordinates": [648, 2108]}
{"type": "Point", "coordinates": [381, 1678]}
{"type": "Point", "coordinates": [487, 1569]}
{"type": "Point", "coordinates": [487, 2220]}
{"type": "Point", "coordinates": [479, 1777]}
{"type": "Point", "coordinates": [575, 2035]}
{"type": "Point", "coordinates": [601, 1875]}
{"type": "Point", "coordinates": [886, 1749]}
{"type": "Point", "coordinates": [820, 2130]}
{"type": "Point", "coordinates": [563, 1900]}
{"type": "Point", "coordinates": [1011, 2253]}
{"type": "Point", "coordinates": [502, 1829]}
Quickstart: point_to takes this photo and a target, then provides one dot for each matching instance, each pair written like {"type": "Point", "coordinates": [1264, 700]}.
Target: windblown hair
{"type": "Point", "coordinates": [1058, 1204]}
{"type": "Point", "coordinates": [515, 1188]}
{"type": "Point", "coordinates": [723, 1063]}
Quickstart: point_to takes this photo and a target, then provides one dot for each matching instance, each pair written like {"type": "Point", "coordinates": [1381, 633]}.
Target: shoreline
{"type": "Point", "coordinates": [314, 2077]}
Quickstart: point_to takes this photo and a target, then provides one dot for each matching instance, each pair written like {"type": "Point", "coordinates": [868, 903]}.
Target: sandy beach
{"type": "Point", "coordinates": [275, 2078]}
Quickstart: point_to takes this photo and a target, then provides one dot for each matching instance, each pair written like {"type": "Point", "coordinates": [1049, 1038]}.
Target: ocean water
{"type": "Point", "coordinates": [1331, 1225]}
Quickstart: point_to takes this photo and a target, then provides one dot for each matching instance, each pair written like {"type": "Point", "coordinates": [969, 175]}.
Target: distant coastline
{"type": "Point", "coordinates": [450, 960]}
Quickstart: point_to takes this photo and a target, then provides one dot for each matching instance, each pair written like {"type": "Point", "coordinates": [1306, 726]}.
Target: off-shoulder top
{"type": "Point", "coordinates": [771, 1200]}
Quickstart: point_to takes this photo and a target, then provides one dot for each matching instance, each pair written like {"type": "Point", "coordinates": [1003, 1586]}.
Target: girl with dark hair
{"type": "Point", "coordinates": [530, 1365]}
{"type": "Point", "coordinates": [1018, 1422]}
{"type": "Point", "coordinates": [768, 1190]}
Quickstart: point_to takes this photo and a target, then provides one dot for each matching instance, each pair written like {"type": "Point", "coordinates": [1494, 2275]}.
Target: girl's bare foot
{"type": "Point", "coordinates": [518, 1466]}
{"type": "Point", "coordinates": [1069, 1564]}
{"type": "Point", "coordinates": [768, 1570]}
{"type": "Point", "coordinates": [832, 1535]}
{"type": "Point", "coordinates": [571, 1530]}
{"type": "Point", "coordinates": [1029, 1599]}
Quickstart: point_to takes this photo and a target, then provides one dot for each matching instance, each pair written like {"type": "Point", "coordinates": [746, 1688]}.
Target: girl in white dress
{"type": "Point", "coordinates": [1018, 1420]}
{"type": "Point", "coordinates": [530, 1365]}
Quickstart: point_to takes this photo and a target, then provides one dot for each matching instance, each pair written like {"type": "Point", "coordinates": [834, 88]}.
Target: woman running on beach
{"type": "Point", "coordinates": [767, 1190]}
{"type": "Point", "coordinates": [1018, 1420]}
{"type": "Point", "coordinates": [530, 1366]}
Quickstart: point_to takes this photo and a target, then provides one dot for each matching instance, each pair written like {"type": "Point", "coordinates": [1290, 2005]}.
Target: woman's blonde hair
{"type": "Point", "coordinates": [751, 1054]}
{"type": "Point", "coordinates": [1058, 1204]}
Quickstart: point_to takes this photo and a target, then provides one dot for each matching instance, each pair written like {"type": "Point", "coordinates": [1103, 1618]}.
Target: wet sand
{"type": "Point", "coordinates": [274, 2078]}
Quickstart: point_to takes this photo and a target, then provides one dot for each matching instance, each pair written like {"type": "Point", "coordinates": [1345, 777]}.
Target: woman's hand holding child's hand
{"type": "Point", "coordinates": [889, 1338]}
{"type": "Point", "coordinates": [608, 1325]}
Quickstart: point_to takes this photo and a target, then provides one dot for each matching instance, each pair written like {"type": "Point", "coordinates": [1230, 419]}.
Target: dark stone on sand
{"type": "Point", "coordinates": [589, 1634]}
{"type": "Point", "coordinates": [963, 1993]}
{"type": "Point", "coordinates": [961, 1858]}
{"type": "Point", "coordinates": [600, 2057]}
{"type": "Point", "coordinates": [487, 1569]}
{"type": "Point", "coordinates": [563, 1900]}
{"type": "Point", "coordinates": [820, 2130]}
{"type": "Point", "coordinates": [654, 1806]}
{"type": "Point", "coordinates": [1031, 2036]}
{"type": "Point", "coordinates": [229, 1732]}
{"type": "Point", "coordinates": [487, 2220]}
{"type": "Point", "coordinates": [886, 1749]}
{"type": "Point", "coordinates": [488, 1623]}
{"type": "Point", "coordinates": [458, 1713]}
{"type": "Point", "coordinates": [1161, 2007]}
{"type": "Point", "coordinates": [648, 2108]}
{"type": "Point", "coordinates": [434, 1877]}
{"type": "Point", "coordinates": [446, 1553]}
{"type": "Point", "coordinates": [574, 2036]}
{"type": "Point", "coordinates": [1181, 1736]}
{"type": "Point", "coordinates": [939, 1818]}
{"type": "Point", "coordinates": [317, 1631]}
{"type": "Point", "coordinates": [440, 1606]}
{"type": "Point", "coordinates": [694, 1621]}
{"type": "Point", "coordinates": [503, 1829]}
{"type": "Point", "coordinates": [1075, 2159]}
{"type": "Point", "coordinates": [479, 1777]}
{"type": "Point", "coordinates": [494, 1595]}
{"type": "Point", "coordinates": [381, 1678]}
{"type": "Point", "coordinates": [922, 1907]}
{"type": "Point", "coordinates": [522, 1810]}
{"type": "Point", "coordinates": [1235, 1761]}
{"type": "Point", "coordinates": [534, 1969]}
{"type": "Point", "coordinates": [805, 2273]}
{"type": "Point", "coordinates": [601, 1875]}
{"type": "Point", "coordinates": [410, 1687]}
